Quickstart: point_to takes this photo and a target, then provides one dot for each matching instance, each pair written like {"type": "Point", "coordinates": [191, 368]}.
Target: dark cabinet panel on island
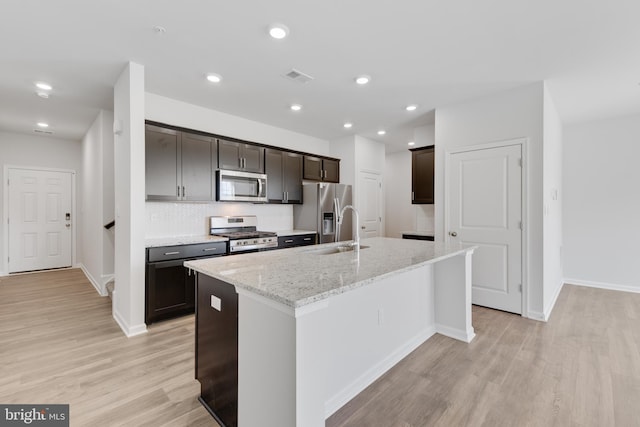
{"type": "Point", "coordinates": [422, 172]}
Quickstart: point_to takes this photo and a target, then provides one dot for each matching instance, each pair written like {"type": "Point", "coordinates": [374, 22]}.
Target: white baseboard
{"type": "Point", "coordinates": [602, 285]}
{"type": "Point", "coordinates": [535, 315]}
{"type": "Point", "coordinates": [2, 273]}
{"type": "Point", "coordinates": [349, 392]}
{"type": "Point", "coordinates": [129, 331]}
{"type": "Point", "coordinates": [456, 334]}
{"type": "Point", "coordinates": [106, 278]}
{"type": "Point", "coordinates": [548, 310]}
{"type": "Point", "coordinates": [102, 290]}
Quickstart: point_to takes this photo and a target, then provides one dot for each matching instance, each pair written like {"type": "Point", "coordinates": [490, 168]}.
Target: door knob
{"type": "Point", "coordinates": [363, 227]}
{"type": "Point", "coordinates": [453, 234]}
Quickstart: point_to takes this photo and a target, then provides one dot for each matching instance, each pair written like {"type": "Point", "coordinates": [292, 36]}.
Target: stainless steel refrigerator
{"type": "Point", "coordinates": [318, 211]}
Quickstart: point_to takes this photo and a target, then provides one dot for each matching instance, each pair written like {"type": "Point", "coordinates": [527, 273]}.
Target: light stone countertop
{"type": "Point", "coordinates": [293, 232]}
{"type": "Point", "coordinates": [182, 240]}
{"type": "Point", "coordinates": [302, 275]}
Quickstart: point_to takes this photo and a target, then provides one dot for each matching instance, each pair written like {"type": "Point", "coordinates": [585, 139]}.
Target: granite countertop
{"type": "Point", "coordinates": [420, 233]}
{"type": "Point", "coordinates": [182, 240]}
{"type": "Point", "coordinates": [293, 232]}
{"type": "Point", "coordinates": [302, 275]}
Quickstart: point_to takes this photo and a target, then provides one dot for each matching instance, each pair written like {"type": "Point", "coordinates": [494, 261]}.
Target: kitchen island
{"type": "Point", "coordinates": [316, 325]}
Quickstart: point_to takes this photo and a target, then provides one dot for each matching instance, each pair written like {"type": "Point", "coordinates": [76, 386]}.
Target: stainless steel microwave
{"type": "Point", "coordinates": [234, 186]}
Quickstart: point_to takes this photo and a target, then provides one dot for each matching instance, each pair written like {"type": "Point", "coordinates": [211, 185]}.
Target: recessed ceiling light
{"type": "Point", "coordinates": [411, 143]}
{"type": "Point", "coordinates": [296, 107]}
{"type": "Point", "coordinates": [42, 94]}
{"type": "Point", "coordinates": [278, 31]}
{"type": "Point", "coordinates": [381, 132]}
{"type": "Point", "coordinates": [411, 107]}
{"type": "Point", "coordinates": [214, 78]}
{"type": "Point", "coordinates": [43, 86]}
{"type": "Point", "coordinates": [363, 80]}
{"type": "Point", "coordinates": [347, 125]}
{"type": "Point", "coordinates": [43, 125]}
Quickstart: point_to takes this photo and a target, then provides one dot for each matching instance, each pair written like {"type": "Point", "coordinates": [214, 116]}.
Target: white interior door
{"type": "Point", "coordinates": [370, 201]}
{"type": "Point", "coordinates": [485, 209]}
{"type": "Point", "coordinates": [39, 220]}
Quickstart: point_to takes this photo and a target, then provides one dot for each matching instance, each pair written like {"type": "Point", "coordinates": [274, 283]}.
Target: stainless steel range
{"type": "Point", "coordinates": [242, 233]}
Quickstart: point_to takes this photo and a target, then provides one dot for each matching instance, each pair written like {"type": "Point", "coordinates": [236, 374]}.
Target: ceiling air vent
{"type": "Point", "coordinates": [298, 76]}
{"type": "Point", "coordinates": [43, 132]}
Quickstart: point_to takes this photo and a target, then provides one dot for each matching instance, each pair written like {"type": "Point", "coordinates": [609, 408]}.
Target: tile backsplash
{"type": "Point", "coordinates": [165, 219]}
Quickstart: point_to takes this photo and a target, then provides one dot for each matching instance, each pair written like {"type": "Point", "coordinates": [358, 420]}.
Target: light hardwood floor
{"type": "Point", "coordinates": [59, 344]}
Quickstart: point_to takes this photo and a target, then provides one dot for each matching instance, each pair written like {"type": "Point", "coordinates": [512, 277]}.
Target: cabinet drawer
{"type": "Point", "coordinates": [167, 253]}
{"type": "Point", "coordinates": [299, 240]}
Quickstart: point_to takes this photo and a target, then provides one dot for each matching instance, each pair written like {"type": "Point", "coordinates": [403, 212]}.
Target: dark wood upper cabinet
{"type": "Point", "coordinates": [179, 165]}
{"type": "Point", "coordinates": [284, 176]}
{"type": "Point", "coordinates": [422, 171]}
{"type": "Point", "coordinates": [321, 169]}
{"type": "Point", "coordinates": [237, 156]}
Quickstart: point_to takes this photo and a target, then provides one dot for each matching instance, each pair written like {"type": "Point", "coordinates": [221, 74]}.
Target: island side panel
{"type": "Point", "coordinates": [372, 328]}
{"type": "Point", "coordinates": [452, 278]}
{"type": "Point", "coordinates": [266, 362]}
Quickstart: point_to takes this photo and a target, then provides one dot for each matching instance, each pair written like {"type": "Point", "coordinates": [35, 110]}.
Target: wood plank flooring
{"type": "Point", "coordinates": [59, 344]}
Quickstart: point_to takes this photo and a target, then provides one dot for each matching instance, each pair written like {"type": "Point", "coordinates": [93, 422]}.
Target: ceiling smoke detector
{"type": "Point", "coordinates": [298, 76]}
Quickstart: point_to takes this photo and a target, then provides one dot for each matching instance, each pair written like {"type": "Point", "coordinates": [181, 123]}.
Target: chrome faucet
{"type": "Point", "coordinates": [356, 240]}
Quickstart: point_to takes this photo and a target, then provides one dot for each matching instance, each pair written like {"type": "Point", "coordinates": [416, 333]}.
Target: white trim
{"type": "Point", "coordinates": [350, 391]}
{"type": "Point", "coordinates": [548, 310]}
{"type": "Point", "coordinates": [100, 288]}
{"type": "Point", "coordinates": [602, 285]}
{"type": "Point", "coordinates": [524, 195]}
{"type": "Point", "coordinates": [456, 334]}
{"type": "Point", "coordinates": [129, 331]}
{"type": "Point", "coordinates": [535, 315]}
{"type": "Point", "coordinates": [5, 210]}
{"type": "Point", "coordinates": [106, 278]}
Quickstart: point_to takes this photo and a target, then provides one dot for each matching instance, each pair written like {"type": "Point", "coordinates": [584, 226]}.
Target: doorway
{"type": "Point", "coordinates": [40, 218]}
{"type": "Point", "coordinates": [370, 204]}
{"type": "Point", "coordinates": [484, 208]}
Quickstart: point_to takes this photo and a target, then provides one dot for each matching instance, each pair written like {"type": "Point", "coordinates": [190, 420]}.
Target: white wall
{"type": "Point", "coordinates": [517, 113]}
{"type": "Point", "coordinates": [129, 152]}
{"type": "Point", "coordinates": [400, 213]}
{"type": "Point", "coordinates": [345, 150]}
{"type": "Point", "coordinates": [177, 113]}
{"type": "Point", "coordinates": [97, 197]}
{"type": "Point", "coordinates": [602, 203]}
{"type": "Point", "coordinates": [38, 151]}
{"type": "Point", "coordinates": [552, 203]}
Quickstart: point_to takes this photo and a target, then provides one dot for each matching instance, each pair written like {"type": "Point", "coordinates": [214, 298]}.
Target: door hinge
{"type": "Point", "coordinates": [380, 184]}
{"type": "Point", "coordinates": [520, 162]}
{"type": "Point", "coordinates": [520, 288]}
{"type": "Point", "coordinates": [380, 218]}
{"type": "Point", "coordinates": [520, 225]}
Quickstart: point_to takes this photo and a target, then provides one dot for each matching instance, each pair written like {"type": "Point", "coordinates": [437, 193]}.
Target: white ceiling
{"type": "Point", "coordinates": [427, 52]}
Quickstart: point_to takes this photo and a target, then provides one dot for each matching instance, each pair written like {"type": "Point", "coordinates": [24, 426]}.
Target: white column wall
{"type": "Point", "coordinates": [129, 292]}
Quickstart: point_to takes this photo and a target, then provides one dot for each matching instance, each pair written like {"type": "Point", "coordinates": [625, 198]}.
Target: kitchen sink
{"type": "Point", "coordinates": [335, 250]}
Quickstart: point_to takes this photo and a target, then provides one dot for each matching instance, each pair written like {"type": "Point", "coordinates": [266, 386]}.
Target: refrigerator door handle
{"type": "Point", "coordinates": [336, 220]}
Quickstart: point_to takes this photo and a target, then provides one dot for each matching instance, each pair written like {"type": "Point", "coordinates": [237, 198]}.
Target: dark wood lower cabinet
{"type": "Point", "coordinates": [217, 348]}
{"type": "Point", "coordinates": [297, 240]}
{"type": "Point", "coordinates": [170, 291]}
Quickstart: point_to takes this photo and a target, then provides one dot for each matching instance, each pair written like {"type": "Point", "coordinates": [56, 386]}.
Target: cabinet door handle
{"type": "Point", "coordinates": [413, 196]}
{"type": "Point", "coordinates": [289, 241]}
{"type": "Point", "coordinates": [183, 191]}
{"type": "Point", "coordinates": [209, 249]}
{"type": "Point", "coordinates": [172, 253]}
{"type": "Point", "coordinates": [306, 239]}
{"type": "Point", "coordinates": [178, 195]}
